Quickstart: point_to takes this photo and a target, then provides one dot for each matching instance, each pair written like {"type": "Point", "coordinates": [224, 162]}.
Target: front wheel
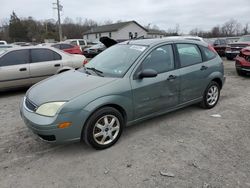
{"type": "Point", "coordinates": [211, 95]}
{"type": "Point", "coordinates": [103, 128]}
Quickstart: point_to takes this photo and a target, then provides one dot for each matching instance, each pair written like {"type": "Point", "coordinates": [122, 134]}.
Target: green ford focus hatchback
{"type": "Point", "coordinates": [127, 83]}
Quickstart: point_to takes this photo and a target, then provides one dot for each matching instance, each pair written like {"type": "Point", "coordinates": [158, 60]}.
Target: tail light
{"type": "Point", "coordinates": [210, 47]}
{"type": "Point", "coordinates": [85, 61]}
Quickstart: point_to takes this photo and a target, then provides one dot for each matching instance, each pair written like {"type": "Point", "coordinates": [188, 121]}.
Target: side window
{"type": "Point", "coordinates": [160, 59]}
{"type": "Point", "coordinates": [15, 58]}
{"type": "Point", "coordinates": [209, 54]}
{"type": "Point", "coordinates": [82, 42]}
{"type": "Point", "coordinates": [189, 54]}
{"type": "Point", "coordinates": [74, 43]}
{"type": "Point", "coordinates": [66, 46]}
{"type": "Point", "coordinates": [41, 55]}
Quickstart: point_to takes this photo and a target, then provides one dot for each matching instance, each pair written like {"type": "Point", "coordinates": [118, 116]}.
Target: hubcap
{"type": "Point", "coordinates": [106, 129]}
{"type": "Point", "coordinates": [212, 95]}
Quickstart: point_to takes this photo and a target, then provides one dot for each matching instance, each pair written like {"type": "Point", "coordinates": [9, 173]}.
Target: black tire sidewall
{"type": "Point", "coordinates": [89, 126]}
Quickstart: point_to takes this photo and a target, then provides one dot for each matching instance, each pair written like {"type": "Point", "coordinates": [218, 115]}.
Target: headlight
{"type": "Point", "coordinates": [49, 109]}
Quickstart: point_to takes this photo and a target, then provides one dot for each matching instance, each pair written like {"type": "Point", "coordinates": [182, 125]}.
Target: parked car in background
{"type": "Point", "coordinates": [69, 48]}
{"type": "Point", "coordinates": [220, 46]}
{"type": "Point", "coordinates": [233, 49]}
{"type": "Point", "coordinates": [22, 44]}
{"type": "Point", "coordinates": [242, 61]}
{"type": "Point", "coordinates": [5, 46]}
{"type": "Point", "coordinates": [94, 50]}
{"type": "Point", "coordinates": [77, 42]}
{"type": "Point", "coordinates": [24, 66]}
{"type": "Point", "coordinates": [2, 42]}
{"type": "Point", "coordinates": [125, 84]}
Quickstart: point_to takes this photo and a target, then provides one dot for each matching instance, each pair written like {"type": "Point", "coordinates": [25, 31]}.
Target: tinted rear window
{"type": "Point", "coordinates": [15, 58]}
{"type": "Point", "coordinates": [66, 46]}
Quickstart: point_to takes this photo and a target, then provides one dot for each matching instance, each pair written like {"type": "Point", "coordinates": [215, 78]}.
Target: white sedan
{"type": "Point", "coordinates": [24, 66]}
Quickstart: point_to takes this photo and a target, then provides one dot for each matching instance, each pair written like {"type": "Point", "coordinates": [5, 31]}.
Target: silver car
{"type": "Point", "coordinates": [24, 66]}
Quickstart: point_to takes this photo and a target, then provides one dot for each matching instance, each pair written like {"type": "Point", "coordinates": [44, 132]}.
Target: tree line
{"type": "Point", "coordinates": [30, 30]}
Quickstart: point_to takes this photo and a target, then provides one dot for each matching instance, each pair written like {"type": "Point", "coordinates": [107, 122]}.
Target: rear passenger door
{"type": "Point", "coordinates": [44, 63]}
{"type": "Point", "coordinates": [14, 69]}
{"type": "Point", "coordinates": [192, 70]}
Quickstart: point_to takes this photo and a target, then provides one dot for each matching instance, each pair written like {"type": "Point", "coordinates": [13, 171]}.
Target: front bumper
{"type": "Point", "coordinates": [242, 65]}
{"type": "Point", "coordinates": [47, 127]}
{"type": "Point", "coordinates": [231, 54]}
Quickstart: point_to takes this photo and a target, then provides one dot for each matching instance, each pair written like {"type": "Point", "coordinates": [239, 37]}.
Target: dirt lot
{"type": "Point", "coordinates": [191, 146]}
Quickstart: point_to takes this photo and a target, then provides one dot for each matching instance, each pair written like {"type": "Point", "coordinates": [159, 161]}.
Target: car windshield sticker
{"type": "Point", "coordinates": [139, 48]}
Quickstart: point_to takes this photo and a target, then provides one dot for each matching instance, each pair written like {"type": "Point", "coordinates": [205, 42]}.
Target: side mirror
{"type": "Point", "coordinates": [147, 73]}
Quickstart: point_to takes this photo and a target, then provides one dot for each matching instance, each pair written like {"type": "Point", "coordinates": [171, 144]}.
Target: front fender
{"type": "Point", "coordinates": [124, 102]}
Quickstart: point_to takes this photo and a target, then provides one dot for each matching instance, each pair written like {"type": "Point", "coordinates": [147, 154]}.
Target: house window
{"type": "Point", "coordinates": [96, 36]}
{"type": "Point", "coordinates": [110, 35]}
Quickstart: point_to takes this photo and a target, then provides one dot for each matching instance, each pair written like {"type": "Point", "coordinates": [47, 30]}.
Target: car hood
{"type": "Point", "coordinates": [65, 86]}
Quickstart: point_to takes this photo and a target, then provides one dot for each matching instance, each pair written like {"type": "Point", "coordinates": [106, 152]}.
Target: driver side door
{"type": "Point", "coordinates": [160, 93]}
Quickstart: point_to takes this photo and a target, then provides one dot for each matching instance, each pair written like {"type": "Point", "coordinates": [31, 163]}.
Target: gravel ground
{"type": "Point", "coordinates": [186, 148]}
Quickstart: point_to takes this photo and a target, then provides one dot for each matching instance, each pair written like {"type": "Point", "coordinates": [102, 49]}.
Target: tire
{"type": "Point", "coordinates": [210, 98]}
{"type": "Point", "coordinates": [240, 73]}
{"type": "Point", "coordinates": [100, 124]}
{"type": "Point", "coordinates": [229, 58]}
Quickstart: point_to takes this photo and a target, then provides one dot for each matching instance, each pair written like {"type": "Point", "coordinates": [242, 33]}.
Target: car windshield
{"type": "Point", "coordinates": [244, 39]}
{"type": "Point", "coordinates": [116, 60]}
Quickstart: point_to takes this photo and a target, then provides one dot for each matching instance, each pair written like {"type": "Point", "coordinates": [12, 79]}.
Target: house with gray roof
{"type": "Point", "coordinates": [120, 32]}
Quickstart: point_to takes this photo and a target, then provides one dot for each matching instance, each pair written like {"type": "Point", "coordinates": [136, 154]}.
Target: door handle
{"type": "Point", "coordinates": [203, 68]}
{"type": "Point", "coordinates": [23, 69]}
{"type": "Point", "coordinates": [171, 77]}
{"type": "Point", "coordinates": [57, 65]}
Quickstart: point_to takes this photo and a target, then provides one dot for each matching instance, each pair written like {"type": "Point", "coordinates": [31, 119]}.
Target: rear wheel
{"type": "Point", "coordinates": [211, 95]}
{"type": "Point", "coordinates": [103, 128]}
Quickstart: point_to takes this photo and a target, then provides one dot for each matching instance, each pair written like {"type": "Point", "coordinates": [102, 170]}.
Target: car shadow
{"type": "Point", "coordinates": [13, 92]}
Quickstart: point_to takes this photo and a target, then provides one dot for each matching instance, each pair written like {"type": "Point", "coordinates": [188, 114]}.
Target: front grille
{"type": "Point", "coordinates": [31, 106]}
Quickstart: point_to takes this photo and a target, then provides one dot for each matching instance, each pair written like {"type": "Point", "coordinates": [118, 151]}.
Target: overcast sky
{"type": "Point", "coordinates": [165, 14]}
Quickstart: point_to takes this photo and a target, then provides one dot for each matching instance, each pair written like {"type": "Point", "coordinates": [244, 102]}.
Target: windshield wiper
{"type": "Point", "coordinates": [98, 72]}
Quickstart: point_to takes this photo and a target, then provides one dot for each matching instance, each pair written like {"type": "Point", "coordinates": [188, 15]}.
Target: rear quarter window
{"type": "Point", "coordinates": [189, 54]}
{"type": "Point", "coordinates": [208, 54]}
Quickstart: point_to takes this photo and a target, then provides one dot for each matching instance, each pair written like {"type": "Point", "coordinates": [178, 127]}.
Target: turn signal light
{"type": "Point", "coordinates": [64, 125]}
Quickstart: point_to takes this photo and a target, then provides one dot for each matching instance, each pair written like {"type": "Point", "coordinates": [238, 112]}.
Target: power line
{"type": "Point", "coordinates": [59, 8]}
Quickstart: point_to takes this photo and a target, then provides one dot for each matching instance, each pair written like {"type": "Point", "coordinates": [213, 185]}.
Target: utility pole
{"type": "Point", "coordinates": [59, 9]}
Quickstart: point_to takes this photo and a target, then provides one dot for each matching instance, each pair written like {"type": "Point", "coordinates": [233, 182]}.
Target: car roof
{"type": "Point", "coordinates": [152, 42]}
{"type": "Point", "coordinates": [33, 47]}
